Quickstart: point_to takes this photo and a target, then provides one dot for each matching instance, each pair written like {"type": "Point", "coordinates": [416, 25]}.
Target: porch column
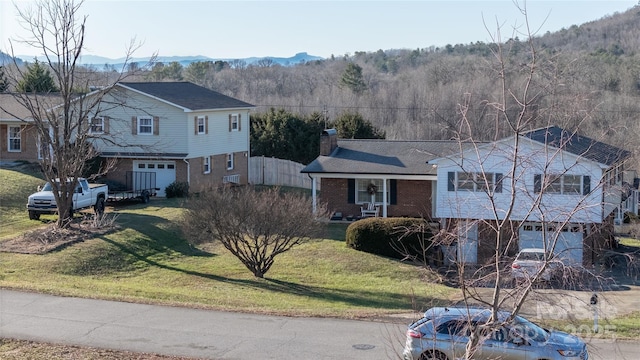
{"type": "Point", "coordinates": [313, 193]}
{"type": "Point", "coordinates": [384, 197]}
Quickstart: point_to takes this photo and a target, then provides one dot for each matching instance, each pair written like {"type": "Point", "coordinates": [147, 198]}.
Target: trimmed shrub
{"type": "Point", "coordinates": [630, 218]}
{"type": "Point", "coordinates": [177, 189]}
{"type": "Point", "coordinates": [391, 237]}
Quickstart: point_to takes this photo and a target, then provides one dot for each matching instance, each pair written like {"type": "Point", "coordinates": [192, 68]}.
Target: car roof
{"type": "Point", "coordinates": [533, 250]}
{"type": "Point", "coordinates": [457, 312]}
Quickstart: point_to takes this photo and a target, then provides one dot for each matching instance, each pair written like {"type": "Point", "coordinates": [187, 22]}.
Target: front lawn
{"type": "Point", "coordinates": [147, 260]}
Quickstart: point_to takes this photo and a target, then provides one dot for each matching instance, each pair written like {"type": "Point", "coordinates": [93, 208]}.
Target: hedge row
{"type": "Point", "coordinates": [392, 237]}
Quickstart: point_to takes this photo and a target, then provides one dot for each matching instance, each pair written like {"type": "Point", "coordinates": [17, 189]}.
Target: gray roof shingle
{"type": "Point", "coordinates": [187, 95]}
{"type": "Point", "coordinates": [382, 157]}
{"type": "Point", "coordinates": [579, 145]}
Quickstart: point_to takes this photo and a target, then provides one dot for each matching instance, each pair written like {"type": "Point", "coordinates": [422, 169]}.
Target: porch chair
{"type": "Point", "coordinates": [369, 210]}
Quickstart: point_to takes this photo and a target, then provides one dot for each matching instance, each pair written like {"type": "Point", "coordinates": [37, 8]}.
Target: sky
{"type": "Point", "coordinates": [238, 29]}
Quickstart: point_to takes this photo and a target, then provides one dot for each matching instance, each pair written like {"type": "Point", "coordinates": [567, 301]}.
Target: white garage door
{"type": "Point", "coordinates": [165, 172]}
{"type": "Point", "coordinates": [568, 245]}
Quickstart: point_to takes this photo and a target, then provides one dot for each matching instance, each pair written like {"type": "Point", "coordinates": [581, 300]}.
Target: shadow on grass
{"type": "Point", "coordinates": [166, 237]}
{"type": "Point", "coordinates": [359, 298]}
{"type": "Point", "coordinates": [161, 240]}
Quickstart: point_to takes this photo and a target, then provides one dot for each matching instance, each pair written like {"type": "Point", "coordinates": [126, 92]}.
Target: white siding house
{"type": "Point", "coordinates": [547, 181]}
{"type": "Point", "coordinates": [177, 130]}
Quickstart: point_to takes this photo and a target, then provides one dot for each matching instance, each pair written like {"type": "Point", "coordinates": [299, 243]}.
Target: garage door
{"type": "Point", "coordinates": [568, 246]}
{"type": "Point", "coordinates": [165, 172]}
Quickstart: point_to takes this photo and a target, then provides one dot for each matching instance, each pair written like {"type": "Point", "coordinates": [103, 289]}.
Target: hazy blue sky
{"type": "Point", "coordinates": [239, 29]}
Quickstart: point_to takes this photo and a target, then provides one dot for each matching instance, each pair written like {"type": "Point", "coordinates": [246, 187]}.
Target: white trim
{"type": "Point", "coordinates": [139, 124]}
{"type": "Point", "coordinates": [18, 137]}
{"type": "Point", "coordinates": [207, 164]}
{"type": "Point", "coordinates": [230, 161]}
{"type": "Point", "coordinates": [91, 124]}
{"type": "Point", "coordinates": [204, 125]}
{"type": "Point", "coordinates": [371, 176]}
{"type": "Point", "coordinates": [235, 122]}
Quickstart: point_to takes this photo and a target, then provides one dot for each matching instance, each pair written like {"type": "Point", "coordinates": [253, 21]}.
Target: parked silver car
{"type": "Point", "coordinates": [529, 262]}
{"type": "Point", "coordinates": [443, 333]}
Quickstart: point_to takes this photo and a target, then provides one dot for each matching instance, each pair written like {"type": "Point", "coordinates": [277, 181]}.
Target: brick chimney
{"type": "Point", "coordinates": [328, 141]}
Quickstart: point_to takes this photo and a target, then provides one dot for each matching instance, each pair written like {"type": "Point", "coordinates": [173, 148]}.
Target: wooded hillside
{"type": "Point", "coordinates": [588, 78]}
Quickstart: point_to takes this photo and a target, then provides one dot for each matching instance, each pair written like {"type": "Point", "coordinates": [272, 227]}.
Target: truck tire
{"type": "Point", "coordinates": [98, 208]}
{"type": "Point", "coordinates": [34, 215]}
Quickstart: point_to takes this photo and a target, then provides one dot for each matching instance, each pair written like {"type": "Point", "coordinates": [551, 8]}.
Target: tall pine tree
{"type": "Point", "coordinates": [37, 79]}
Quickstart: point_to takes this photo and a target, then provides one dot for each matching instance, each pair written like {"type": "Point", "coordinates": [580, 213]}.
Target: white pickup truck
{"type": "Point", "coordinates": [85, 195]}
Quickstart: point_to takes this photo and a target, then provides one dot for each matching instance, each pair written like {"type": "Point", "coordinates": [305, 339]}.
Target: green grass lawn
{"type": "Point", "coordinates": [16, 186]}
{"type": "Point", "coordinates": [148, 260]}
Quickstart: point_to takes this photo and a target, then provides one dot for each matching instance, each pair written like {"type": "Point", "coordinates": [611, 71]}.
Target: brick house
{"type": "Point", "coordinates": [392, 175]}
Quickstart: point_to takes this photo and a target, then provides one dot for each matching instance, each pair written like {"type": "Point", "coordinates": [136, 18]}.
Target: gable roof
{"type": "Point", "coordinates": [186, 95]}
{"type": "Point", "coordinates": [578, 145]}
{"type": "Point", "coordinates": [360, 156]}
{"type": "Point", "coordinates": [14, 106]}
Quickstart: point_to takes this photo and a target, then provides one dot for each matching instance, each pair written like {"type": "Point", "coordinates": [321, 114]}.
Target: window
{"type": "Point", "coordinates": [366, 189]}
{"type": "Point", "coordinates": [145, 125]}
{"type": "Point", "coordinates": [229, 161]}
{"type": "Point", "coordinates": [14, 138]}
{"type": "Point", "coordinates": [475, 181]}
{"type": "Point", "coordinates": [563, 184]}
{"type": "Point", "coordinates": [171, 166]}
{"type": "Point", "coordinates": [206, 164]}
{"type": "Point", "coordinates": [571, 184]}
{"type": "Point", "coordinates": [465, 181]}
{"type": "Point", "coordinates": [97, 125]}
{"type": "Point", "coordinates": [234, 122]}
{"type": "Point", "coordinates": [141, 166]}
{"type": "Point", "coordinates": [201, 125]}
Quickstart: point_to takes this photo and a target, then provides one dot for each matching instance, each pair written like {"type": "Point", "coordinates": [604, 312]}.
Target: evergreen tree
{"type": "Point", "coordinates": [284, 135]}
{"type": "Point", "coordinates": [352, 78]}
{"type": "Point", "coordinates": [37, 79]}
{"type": "Point", "coordinates": [353, 126]}
{"type": "Point", "coordinates": [4, 82]}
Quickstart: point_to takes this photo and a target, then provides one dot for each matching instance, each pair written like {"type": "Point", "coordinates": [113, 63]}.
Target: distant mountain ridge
{"type": "Point", "coordinates": [100, 61]}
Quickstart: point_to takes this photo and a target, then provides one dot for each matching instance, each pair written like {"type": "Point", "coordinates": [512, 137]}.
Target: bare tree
{"type": "Point", "coordinates": [64, 120]}
{"type": "Point", "coordinates": [525, 178]}
{"type": "Point", "coordinates": [255, 226]}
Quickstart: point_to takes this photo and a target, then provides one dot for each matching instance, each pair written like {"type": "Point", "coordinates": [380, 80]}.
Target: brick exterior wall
{"type": "Point", "coordinates": [28, 144]}
{"type": "Point", "coordinates": [119, 171]}
{"type": "Point", "coordinates": [413, 198]}
{"type": "Point", "coordinates": [202, 182]}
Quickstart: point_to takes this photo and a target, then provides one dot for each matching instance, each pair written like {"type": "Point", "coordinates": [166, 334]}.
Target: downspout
{"type": "Point", "coordinates": [248, 153]}
{"type": "Point", "coordinates": [384, 197]}
{"type": "Point", "coordinates": [186, 161]}
{"type": "Point", "coordinates": [313, 192]}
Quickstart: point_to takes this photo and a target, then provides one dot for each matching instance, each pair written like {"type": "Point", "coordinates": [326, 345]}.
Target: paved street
{"type": "Point", "coordinates": [211, 334]}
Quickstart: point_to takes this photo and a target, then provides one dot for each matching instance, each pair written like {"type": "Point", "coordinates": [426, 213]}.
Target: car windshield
{"type": "Point", "coordinates": [528, 330]}
{"type": "Point", "coordinates": [48, 187]}
{"type": "Point", "coordinates": [535, 256]}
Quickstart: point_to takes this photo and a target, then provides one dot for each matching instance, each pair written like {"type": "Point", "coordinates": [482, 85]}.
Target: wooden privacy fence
{"type": "Point", "coordinates": [272, 171]}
